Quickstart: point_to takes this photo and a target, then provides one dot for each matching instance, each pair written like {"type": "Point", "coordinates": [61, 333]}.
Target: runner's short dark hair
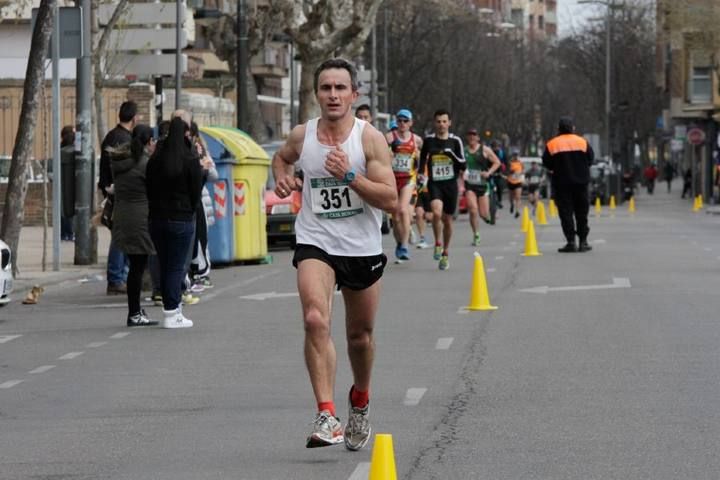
{"type": "Point", "coordinates": [337, 63]}
{"type": "Point", "coordinates": [364, 106]}
{"type": "Point", "coordinates": [127, 111]}
{"type": "Point", "coordinates": [441, 112]}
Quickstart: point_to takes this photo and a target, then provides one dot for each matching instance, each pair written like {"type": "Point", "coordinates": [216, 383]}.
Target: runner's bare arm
{"type": "Point", "coordinates": [418, 144]}
{"type": "Point", "coordinates": [494, 160]}
{"type": "Point", "coordinates": [283, 163]}
{"type": "Point", "coordinates": [378, 188]}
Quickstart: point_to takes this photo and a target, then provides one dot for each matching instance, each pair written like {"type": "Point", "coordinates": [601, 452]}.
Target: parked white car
{"type": "Point", "coordinates": [6, 278]}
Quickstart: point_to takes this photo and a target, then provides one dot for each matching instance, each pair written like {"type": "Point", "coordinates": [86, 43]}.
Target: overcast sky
{"type": "Point", "coordinates": [570, 15]}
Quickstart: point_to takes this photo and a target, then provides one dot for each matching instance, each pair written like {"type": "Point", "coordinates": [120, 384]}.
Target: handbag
{"type": "Point", "coordinates": [107, 212]}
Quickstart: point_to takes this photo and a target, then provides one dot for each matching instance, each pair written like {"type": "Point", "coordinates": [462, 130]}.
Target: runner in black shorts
{"type": "Point", "coordinates": [482, 163]}
{"type": "Point", "coordinates": [444, 157]}
{"type": "Point", "coordinates": [423, 214]}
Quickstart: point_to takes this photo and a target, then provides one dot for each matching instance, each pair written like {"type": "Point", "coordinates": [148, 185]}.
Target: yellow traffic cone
{"type": "Point", "coordinates": [553, 208]}
{"type": "Point", "coordinates": [531, 248]}
{"type": "Point", "coordinates": [696, 205]}
{"type": "Point", "coordinates": [540, 214]}
{"type": "Point", "coordinates": [598, 207]}
{"type": "Point", "coordinates": [612, 202]}
{"type": "Point", "coordinates": [701, 205]}
{"type": "Point", "coordinates": [525, 219]}
{"type": "Point", "coordinates": [382, 463]}
{"type": "Point", "coordinates": [479, 298]}
{"type": "Point", "coordinates": [631, 205]}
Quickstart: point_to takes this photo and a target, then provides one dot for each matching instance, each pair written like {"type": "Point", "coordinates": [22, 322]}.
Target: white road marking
{"type": "Point", "coordinates": [95, 344]}
{"type": "Point", "coordinates": [444, 343]}
{"type": "Point", "coordinates": [217, 291]}
{"type": "Point", "coordinates": [617, 283]}
{"type": "Point", "coordinates": [506, 249]}
{"type": "Point", "coordinates": [499, 258]}
{"type": "Point", "coordinates": [10, 383]}
{"type": "Point", "coordinates": [599, 241]}
{"type": "Point", "coordinates": [708, 249]}
{"type": "Point", "coordinates": [7, 338]}
{"type": "Point", "coordinates": [361, 472]}
{"type": "Point", "coordinates": [70, 356]}
{"type": "Point", "coordinates": [463, 311]}
{"type": "Point", "coordinates": [266, 295]}
{"type": "Point", "coordinates": [413, 396]}
{"type": "Point", "coordinates": [490, 270]}
{"type": "Point", "coordinates": [120, 335]}
{"type": "Point", "coordinates": [42, 369]}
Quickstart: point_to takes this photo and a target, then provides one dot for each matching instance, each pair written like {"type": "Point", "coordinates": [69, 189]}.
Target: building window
{"type": "Point", "coordinates": [541, 22]}
{"type": "Point", "coordinates": [531, 21]}
{"type": "Point", "coordinates": [701, 85]}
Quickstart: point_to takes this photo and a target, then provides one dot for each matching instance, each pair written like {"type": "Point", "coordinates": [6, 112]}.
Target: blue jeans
{"type": "Point", "coordinates": [118, 265]}
{"type": "Point", "coordinates": [172, 240]}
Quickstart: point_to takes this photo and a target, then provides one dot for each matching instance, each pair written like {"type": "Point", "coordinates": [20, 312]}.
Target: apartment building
{"type": "Point", "coordinates": [536, 18]}
{"type": "Point", "coordinates": [686, 70]}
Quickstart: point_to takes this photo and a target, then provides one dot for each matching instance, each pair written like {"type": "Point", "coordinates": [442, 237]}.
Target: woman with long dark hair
{"type": "Point", "coordinates": [131, 232]}
{"type": "Point", "coordinates": [174, 184]}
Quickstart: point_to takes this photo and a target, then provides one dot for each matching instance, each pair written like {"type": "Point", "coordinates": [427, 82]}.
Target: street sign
{"type": "Point", "coordinates": [696, 136]}
{"type": "Point", "coordinates": [144, 65]}
{"type": "Point", "coordinates": [677, 145]}
{"type": "Point", "coordinates": [70, 32]}
{"type": "Point", "coordinates": [143, 13]}
{"type": "Point", "coordinates": [680, 131]}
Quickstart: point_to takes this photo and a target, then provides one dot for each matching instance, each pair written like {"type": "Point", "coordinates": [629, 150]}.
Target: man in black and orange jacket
{"type": "Point", "coordinates": [568, 157]}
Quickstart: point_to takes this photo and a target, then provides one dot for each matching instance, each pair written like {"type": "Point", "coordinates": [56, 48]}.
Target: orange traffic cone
{"type": "Point", "coordinates": [479, 298]}
{"type": "Point", "coordinates": [531, 248]}
{"type": "Point", "coordinates": [382, 462]}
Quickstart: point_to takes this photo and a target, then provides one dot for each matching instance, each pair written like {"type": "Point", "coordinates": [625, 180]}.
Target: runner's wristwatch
{"type": "Point", "coordinates": [349, 176]}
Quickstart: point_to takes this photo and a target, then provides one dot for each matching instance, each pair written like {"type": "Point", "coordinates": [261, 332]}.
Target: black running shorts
{"type": "Point", "coordinates": [423, 201]}
{"type": "Point", "coordinates": [478, 190]}
{"type": "Point", "coordinates": [355, 273]}
{"type": "Point", "coordinates": [447, 192]}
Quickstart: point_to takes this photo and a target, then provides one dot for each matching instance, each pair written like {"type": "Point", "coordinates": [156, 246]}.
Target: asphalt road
{"type": "Point", "coordinates": [611, 372]}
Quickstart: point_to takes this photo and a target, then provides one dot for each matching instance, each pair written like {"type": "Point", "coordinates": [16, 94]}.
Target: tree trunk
{"type": "Point", "coordinates": [257, 124]}
{"type": "Point", "coordinates": [14, 209]}
{"type": "Point", "coordinates": [308, 104]}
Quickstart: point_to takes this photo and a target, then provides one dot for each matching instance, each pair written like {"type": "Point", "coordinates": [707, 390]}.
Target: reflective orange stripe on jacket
{"type": "Point", "coordinates": [567, 143]}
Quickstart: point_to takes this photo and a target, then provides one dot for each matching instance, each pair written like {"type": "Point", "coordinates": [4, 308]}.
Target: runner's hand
{"type": "Point", "coordinates": [285, 186]}
{"type": "Point", "coordinates": [421, 181]}
{"type": "Point", "coordinates": [337, 163]}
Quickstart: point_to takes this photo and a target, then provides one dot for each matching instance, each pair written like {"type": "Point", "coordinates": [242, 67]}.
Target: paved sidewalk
{"type": "Point", "coordinates": [30, 255]}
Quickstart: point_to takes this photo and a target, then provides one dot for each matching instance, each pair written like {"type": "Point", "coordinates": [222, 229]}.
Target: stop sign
{"type": "Point", "coordinates": [696, 136]}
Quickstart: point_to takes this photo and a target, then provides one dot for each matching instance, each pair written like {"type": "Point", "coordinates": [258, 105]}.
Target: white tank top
{"type": "Point", "coordinates": [333, 217]}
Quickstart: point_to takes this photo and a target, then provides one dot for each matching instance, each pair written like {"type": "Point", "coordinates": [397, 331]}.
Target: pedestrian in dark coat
{"type": "Point", "coordinates": [131, 232]}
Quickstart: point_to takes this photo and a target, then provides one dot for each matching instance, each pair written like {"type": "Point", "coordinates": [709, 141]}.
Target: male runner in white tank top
{"type": "Point", "coordinates": [347, 182]}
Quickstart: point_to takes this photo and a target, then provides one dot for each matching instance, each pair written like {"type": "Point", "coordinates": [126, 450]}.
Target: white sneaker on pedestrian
{"type": "Point", "coordinates": [175, 319]}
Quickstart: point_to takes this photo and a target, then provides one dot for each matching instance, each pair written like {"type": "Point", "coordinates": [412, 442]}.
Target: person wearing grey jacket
{"type": "Point", "coordinates": [131, 232]}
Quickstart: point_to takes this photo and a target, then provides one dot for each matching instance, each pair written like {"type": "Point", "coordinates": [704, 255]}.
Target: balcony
{"type": "Point", "coordinates": [271, 62]}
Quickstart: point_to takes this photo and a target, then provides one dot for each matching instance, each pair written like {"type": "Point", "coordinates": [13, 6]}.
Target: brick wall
{"type": "Point", "coordinates": [33, 203]}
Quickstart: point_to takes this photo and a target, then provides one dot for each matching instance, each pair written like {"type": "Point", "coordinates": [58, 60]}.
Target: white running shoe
{"type": "Point", "coordinates": [326, 431]}
{"type": "Point", "coordinates": [175, 319]}
{"type": "Point", "coordinates": [357, 430]}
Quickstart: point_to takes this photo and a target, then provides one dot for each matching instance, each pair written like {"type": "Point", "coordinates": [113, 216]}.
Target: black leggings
{"type": "Point", "coordinates": [134, 282]}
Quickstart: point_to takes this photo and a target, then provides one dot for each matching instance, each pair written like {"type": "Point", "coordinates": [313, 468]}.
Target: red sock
{"type": "Point", "coordinates": [359, 399]}
{"type": "Point", "coordinates": [329, 406]}
{"type": "Point", "coordinates": [438, 244]}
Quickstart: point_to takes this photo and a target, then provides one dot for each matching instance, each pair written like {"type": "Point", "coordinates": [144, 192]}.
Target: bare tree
{"type": "Point", "coordinates": [14, 209]}
{"type": "Point", "coordinates": [322, 29]}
